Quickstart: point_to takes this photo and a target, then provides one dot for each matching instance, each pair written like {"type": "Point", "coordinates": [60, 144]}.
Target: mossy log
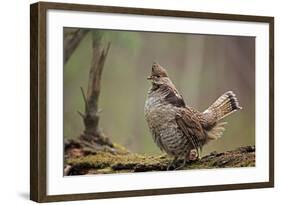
{"type": "Point", "coordinates": [80, 161]}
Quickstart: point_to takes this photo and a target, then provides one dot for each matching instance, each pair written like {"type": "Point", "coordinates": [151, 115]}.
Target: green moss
{"type": "Point", "coordinates": [123, 161]}
{"type": "Point", "coordinates": [120, 149]}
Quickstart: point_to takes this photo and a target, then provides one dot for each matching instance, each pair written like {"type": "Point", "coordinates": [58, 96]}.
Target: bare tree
{"type": "Point", "coordinates": [92, 133]}
{"type": "Point", "coordinates": [72, 38]}
{"type": "Point", "coordinates": [92, 138]}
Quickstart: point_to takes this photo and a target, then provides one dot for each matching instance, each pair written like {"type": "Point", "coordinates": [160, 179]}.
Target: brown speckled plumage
{"type": "Point", "coordinates": [176, 128]}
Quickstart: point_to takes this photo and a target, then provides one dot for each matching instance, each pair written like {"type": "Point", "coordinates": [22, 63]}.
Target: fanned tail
{"type": "Point", "coordinates": [224, 106]}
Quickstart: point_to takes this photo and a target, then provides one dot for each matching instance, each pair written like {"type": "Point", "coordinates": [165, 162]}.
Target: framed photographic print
{"type": "Point", "coordinates": [134, 102]}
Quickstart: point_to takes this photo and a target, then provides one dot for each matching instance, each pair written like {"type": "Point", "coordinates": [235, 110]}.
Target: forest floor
{"type": "Point", "coordinates": [120, 160]}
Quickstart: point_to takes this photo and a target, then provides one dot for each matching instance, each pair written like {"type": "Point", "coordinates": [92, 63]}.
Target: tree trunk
{"type": "Point", "coordinates": [92, 133]}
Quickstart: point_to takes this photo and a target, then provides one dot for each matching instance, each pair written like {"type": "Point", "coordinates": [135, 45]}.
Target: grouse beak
{"type": "Point", "coordinates": [149, 78]}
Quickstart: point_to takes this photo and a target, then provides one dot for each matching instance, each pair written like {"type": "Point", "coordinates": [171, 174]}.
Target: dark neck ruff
{"type": "Point", "coordinates": [154, 87]}
{"type": "Point", "coordinates": [169, 95]}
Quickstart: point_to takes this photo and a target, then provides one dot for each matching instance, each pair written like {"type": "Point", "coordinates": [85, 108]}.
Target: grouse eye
{"type": "Point", "coordinates": [157, 76]}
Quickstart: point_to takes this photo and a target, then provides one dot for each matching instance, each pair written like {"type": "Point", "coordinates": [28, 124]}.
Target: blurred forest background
{"type": "Point", "coordinates": [201, 66]}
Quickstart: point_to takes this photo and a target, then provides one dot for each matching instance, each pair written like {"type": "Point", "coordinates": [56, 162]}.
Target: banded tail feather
{"type": "Point", "coordinates": [224, 106]}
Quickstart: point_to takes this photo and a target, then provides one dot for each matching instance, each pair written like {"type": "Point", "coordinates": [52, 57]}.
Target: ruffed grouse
{"type": "Point", "coordinates": [180, 130]}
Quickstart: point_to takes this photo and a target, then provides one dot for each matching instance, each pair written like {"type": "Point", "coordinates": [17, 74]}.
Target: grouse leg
{"type": "Point", "coordinates": [185, 159]}
{"type": "Point", "coordinates": [172, 164]}
{"type": "Point", "coordinates": [182, 165]}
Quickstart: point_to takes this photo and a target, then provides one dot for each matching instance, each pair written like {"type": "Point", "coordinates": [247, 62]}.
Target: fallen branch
{"type": "Point", "coordinates": [124, 161]}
